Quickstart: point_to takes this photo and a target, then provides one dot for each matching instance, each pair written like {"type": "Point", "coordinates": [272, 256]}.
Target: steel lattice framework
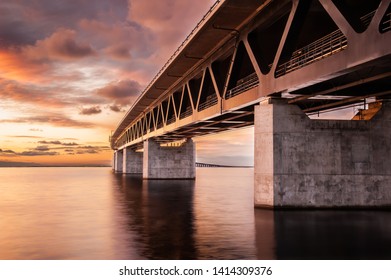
{"type": "Point", "coordinates": [319, 54]}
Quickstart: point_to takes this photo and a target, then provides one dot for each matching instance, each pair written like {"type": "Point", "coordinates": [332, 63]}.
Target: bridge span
{"type": "Point", "coordinates": [270, 64]}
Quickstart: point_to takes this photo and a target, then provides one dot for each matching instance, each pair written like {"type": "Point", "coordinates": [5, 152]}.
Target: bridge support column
{"type": "Point", "coordinates": [301, 162]}
{"type": "Point", "coordinates": [118, 161]}
{"type": "Point", "coordinates": [169, 162]}
{"type": "Point", "coordinates": [132, 161]}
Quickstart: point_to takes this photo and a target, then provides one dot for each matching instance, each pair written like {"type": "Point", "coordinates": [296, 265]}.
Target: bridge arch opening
{"type": "Point", "coordinates": [265, 38]}
{"type": "Point", "coordinates": [312, 36]}
{"type": "Point", "coordinates": [208, 95]}
{"type": "Point", "coordinates": [242, 73]}
{"type": "Point", "coordinates": [186, 108]}
{"type": "Point", "coordinates": [358, 13]}
{"type": "Point", "coordinates": [220, 69]}
{"type": "Point", "coordinates": [385, 23]}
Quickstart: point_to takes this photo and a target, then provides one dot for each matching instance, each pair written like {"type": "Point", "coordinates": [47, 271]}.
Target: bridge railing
{"type": "Point", "coordinates": [385, 25]}
{"type": "Point", "coordinates": [186, 113]}
{"type": "Point", "coordinates": [324, 47]}
{"type": "Point", "coordinates": [171, 120]}
{"type": "Point", "coordinates": [242, 85]}
{"type": "Point", "coordinates": [210, 101]}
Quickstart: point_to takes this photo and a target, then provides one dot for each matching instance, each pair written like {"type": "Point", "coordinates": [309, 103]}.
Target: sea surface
{"type": "Point", "coordinates": [92, 213]}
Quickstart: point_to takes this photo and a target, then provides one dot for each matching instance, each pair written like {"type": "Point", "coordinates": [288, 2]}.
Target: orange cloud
{"type": "Point", "coordinates": [54, 119]}
{"type": "Point", "coordinates": [13, 66]}
{"type": "Point", "coordinates": [32, 94]}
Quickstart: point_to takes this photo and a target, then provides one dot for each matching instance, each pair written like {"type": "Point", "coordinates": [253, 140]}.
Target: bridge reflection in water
{"type": "Point", "coordinates": [211, 218]}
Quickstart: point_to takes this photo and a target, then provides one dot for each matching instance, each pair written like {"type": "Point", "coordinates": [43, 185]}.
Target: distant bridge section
{"type": "Point", "coordinates": [268, 64]}
{"type": "Point", "coordinates": [201, 164]}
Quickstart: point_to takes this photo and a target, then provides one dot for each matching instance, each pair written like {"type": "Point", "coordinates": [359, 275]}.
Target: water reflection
{"type": "Point", "coordinates": [332, 234]}
{"type": "Point", "coordinates": [161, 214]}
{"type": "Point", "coordinates": [91, 213]}
{"type": "Point", "coordinates": [214, 218]}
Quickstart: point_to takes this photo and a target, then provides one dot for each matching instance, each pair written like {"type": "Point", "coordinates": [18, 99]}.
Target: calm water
{"type": "Point", "coordinates": [91, 213]}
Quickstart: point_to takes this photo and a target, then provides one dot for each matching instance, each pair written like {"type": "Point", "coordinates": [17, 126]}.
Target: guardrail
{"type": "Point", "coordinates": [242, 85]}
{"type": "Point", "coordinates": [324, 47]}
{"type": "Point", "coordinates": [210, 101]}
{"type": "Point", "coordinates": [386, 24]}
{"type": "Point", "coordinates": [186, 113]}
{"type": "Point", "coordinates": [171, 120]}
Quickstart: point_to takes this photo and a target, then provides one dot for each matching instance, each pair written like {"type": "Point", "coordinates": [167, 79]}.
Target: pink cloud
{"type": "Point", "coordinates": [90, 110]}
{"type": "Point", "coordinates": [121, 93]}
{"type": "Point", "coordinates": [170, 20]}
{"type": "Point", "coordinates": [120, 40]}
{"type": "Point", "coordinates": [115, 108]}
{"type": "Point", "coordinates": [32, 94]}
{"type": "Point", "coordinates": [61, 45]}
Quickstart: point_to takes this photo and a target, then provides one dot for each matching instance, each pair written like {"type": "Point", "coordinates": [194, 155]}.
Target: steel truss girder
{"type": "Point", "coordinates": [358, 53]}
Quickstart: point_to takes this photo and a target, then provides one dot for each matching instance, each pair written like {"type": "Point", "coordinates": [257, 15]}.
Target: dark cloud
{"type": "Point", "coordinates": [70, 144]}
{"type": "Point", "coordinates": [37, 153]}
{"type": "Point", "coordinates": [87, 152]}
{"type": "Point", "coordinates": [24, 21]}
{"type": "Point", "coordinates": [54, 119]}
{"type": "Point", "coordinates": [90, 111]}
{"type": "Point", "coordinates": [115, 108]}
{"type": "Point", "coordinates": [57, 142]}
{"type": "Point", "coordinates": [42, 148]}
{"type": "Point", "coordinates": [50, 142]}
{"type": "Point", "coordinates": [122, 93]}
{"type": "Point", "coordinates": [120, 52]}
{"type": "Point", "coordinates": [7, 153]}
{"type": "Point", "coordinates": [91, 149]}
{"type": "Point", "coordinates": [61, 45]}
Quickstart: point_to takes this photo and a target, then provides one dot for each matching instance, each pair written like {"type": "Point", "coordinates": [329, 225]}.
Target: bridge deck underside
{"type": "Point", "coordinates": [370, 81]}
{"type": "Point", "coordinates": [227, 121]}
{"type": "Point", "coordinates": [309, 52]}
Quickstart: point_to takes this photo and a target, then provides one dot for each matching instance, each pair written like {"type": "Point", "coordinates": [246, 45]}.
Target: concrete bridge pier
{"type": "Point", "coordinates": [301, 162]}
{"type": "Point", "coordinates": [132, 161]}
{"type": "Point", "coordinates": [169, 162]}
{"type": "Point", "coordinates": [118, 161]}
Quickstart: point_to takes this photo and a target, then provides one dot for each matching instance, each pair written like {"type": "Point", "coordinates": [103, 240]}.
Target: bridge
{"type": "Point", "coordinates": [271, 64]}
{"type": "Point", "coordinates": [203, 164]}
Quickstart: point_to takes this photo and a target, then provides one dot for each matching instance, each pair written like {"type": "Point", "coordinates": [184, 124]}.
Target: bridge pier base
{"type": "Point", "coordinates": [301, 162]}
{"type": "Point", "coordinates": [132, 161]}
{"type": "Point", "coordinates": [169, 162]}
{"type": "Point", "coordinates": [118, 161]}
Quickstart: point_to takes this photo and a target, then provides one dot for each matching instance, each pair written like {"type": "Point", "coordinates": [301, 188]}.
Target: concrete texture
{"type": "Point", "coordinates": [118, 161]}
{"type": "Point", "coordinates": [169, 162]}
{"type": "Point", "coordinates": [320, 163]}
{"type": "Point", "coordinates": [132, 161]}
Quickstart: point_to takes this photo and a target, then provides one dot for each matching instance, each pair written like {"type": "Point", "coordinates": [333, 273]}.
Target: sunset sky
{"type": "Point", "coordinates": [69, 70]}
